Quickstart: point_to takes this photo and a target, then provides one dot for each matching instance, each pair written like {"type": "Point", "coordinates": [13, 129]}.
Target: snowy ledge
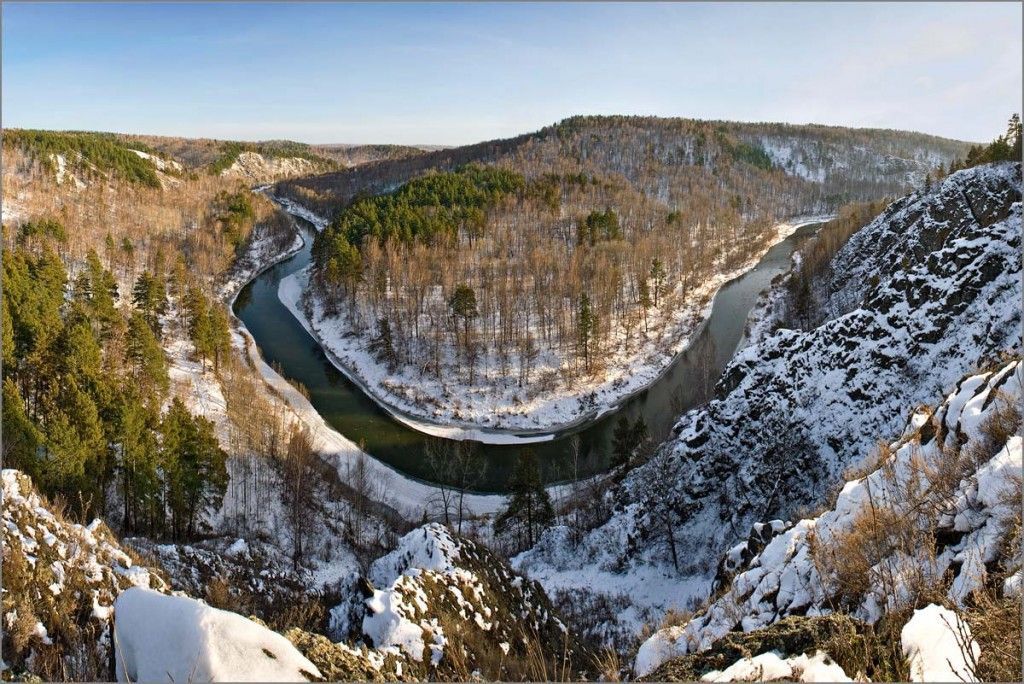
{"type": "Point", "coordinates": [542, 418]}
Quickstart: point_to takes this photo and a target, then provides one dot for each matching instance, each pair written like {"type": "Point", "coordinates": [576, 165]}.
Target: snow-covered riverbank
{"type": "Point", "coordinates": [406, 495]}
{"type": "Point", "coordinates": [500, 415]}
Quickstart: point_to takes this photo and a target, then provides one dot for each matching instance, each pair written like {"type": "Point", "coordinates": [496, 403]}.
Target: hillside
{"type": "Point", "coordinates": [357, 155]}
{"type": "Point", "coordinates": [797, 409]}
{"type": "Point", "coordinates": [845, 163]}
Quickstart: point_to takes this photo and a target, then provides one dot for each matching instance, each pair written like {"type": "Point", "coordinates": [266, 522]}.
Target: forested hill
{"type": "Point", "coordinates": [573, 257]}
{"type": "Point", "coordinates": [833, 164]}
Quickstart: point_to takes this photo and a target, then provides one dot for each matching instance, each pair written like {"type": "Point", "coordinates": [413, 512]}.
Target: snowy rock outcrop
{"type": "Point", "coordinates": [446, 604]}
{"type": "Point", "coordinates": [175, 638]}
{"type": "Point", "coordinates": [60, 581]}
{"type": "Point", "coordinates": [952, 481]}
{"type": "Point", "coordinates": [254, 167]}
{"type": "Point", "coordinates": [931, 288]}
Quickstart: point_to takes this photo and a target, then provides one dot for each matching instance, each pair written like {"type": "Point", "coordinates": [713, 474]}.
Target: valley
{"type": "Point", "coordinates": [205, 419]}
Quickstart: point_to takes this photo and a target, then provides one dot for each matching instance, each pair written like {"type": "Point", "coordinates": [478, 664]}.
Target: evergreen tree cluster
{"type": "Point", "coordinates": [235, 216]}
{"type": "Point", "coordinates": [1006, 147]}
{"type": "Point", "coordinates": [84, 386]}
{"type": "Point", "coordinates": [433, 207]}
{"type": "Point", "coordinates": [104, 151]}
{"type": "Point", "coordinates": [599, 225]}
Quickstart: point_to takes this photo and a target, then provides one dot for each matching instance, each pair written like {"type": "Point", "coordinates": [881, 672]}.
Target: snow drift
{"type": "Point", "coordinates": [178, 639]}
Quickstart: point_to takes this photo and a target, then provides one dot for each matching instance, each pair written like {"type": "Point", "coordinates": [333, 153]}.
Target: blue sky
{"type": "Point", "coordinates": [459, 73]}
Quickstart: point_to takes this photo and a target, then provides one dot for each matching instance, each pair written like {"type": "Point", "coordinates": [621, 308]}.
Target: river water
{"type": "Point", "coordinates": [688, 382]}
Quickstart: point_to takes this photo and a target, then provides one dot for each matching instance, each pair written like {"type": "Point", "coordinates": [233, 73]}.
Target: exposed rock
{"type": "Point", "coordinates": [254, 167]}
{"type": "Point", "coordinates": [962, 476]}
{"type": "Point", "coordinates": [60, 581]}
{"type": "Point", "coordinates": [451, 607]}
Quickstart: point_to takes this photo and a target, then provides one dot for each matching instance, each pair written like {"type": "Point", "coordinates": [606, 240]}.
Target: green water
{"type": "Point", "coordinates": [285, 344]}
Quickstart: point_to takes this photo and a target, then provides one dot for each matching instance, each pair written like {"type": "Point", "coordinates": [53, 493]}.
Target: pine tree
{"type": "Point", "coordinates": [463, 305]}
{"type": "Point", "coordinates": [622, 442]}
{"type": "Point", "coordinates": [644, 299]}
{"type": "Point", "coordinates": [586, 327]}
{"type": "Point", "coordinates": [21, 438]}
{"type": "Point", "coordinates": [196, 467]}
{"type": "Point", "coordinates": [382, 346]}
{"type": "Point", "coordinates": [220, 335]}
{"type": "Point", "coordinates": [1013, 137]}
{"type": "Point", "coordinates": [639, 434]}
{"type": "Point", "coordinates": [146, 357]}
{"type": "Point", "coordinates": [658, 275]}
{"type": "Point", "coordinates": [199, 328]}
{"type": "Point", "coordinates": [133, 435]}
{"type": "Point", "coordinates": [149, 295]}
{"type": "Point", "coordinates": [529, 508]}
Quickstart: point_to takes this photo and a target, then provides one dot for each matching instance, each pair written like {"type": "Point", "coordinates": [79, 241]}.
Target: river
{"type": "Point", "coordinates": [688, 382]}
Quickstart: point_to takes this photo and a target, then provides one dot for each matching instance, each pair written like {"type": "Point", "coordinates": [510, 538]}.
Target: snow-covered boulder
{"type": "Point", "coordinates": [445, 603]}
{"type": "Point", "coordinates": [161, 638]}
{"type": "Point", "coordinates": [828, 648]}
{"type": "Point", "coordinates": [769, 667]}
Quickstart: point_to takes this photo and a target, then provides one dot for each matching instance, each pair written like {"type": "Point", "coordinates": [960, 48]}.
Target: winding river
{"type": "Point", "coordinates": [287, 346]}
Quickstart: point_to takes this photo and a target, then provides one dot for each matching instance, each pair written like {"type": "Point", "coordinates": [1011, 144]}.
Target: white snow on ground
{"type": "Point", "coordinates": [489, 411]}
{"type": "Point", "coordinates": [12, 212]}
{"type": "Point", "coordinates": [939, 647]}
{"type": "Point", "coordinates": [178, 639]}
{"type": "Point", "coordinates": [783, 579]}
{"type": "Point", "coordinates": [199, 390]}
{"type": "Point", "coordinates": [296, 209]}
{"type": "Point", "coordinates": [768, 667]}
{"type": "Point", "coordinates": [62, 171]}
{"type": "Point", "coordinates": [160, 163]}
{"type": "Point", "coordinates": [290, 293]}
{"type": "Point", "coordinates": [653, 590]}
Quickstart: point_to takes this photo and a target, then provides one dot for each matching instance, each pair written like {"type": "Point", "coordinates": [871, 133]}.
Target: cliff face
{"type": "Point", "coordinates": [937, 517]}
{"type": "Point", "coordinates": [927, 292]}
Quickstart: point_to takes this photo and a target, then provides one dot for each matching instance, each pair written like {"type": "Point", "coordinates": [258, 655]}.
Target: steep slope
{"type": "Point", "coordinates": [937, 517]}
{"type": "Point", "coordinates": [797, 409]}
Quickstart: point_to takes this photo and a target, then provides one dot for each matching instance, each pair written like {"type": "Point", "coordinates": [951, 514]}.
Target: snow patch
{"type": "Point", "coordinates": [938, 646]}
